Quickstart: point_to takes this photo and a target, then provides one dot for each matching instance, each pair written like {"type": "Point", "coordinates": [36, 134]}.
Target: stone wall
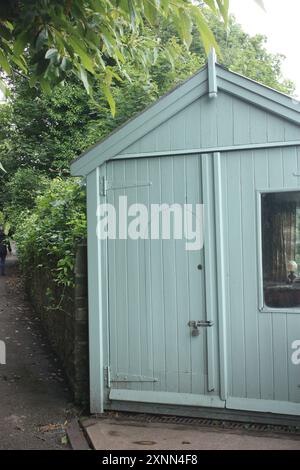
{"type": "Point", "coordinates": [64, 315]}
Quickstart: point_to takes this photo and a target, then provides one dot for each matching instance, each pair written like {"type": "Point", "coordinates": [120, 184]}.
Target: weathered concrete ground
{"type": "Point", "coordinates": [125, 434]}
{"type": "Point", "coordinates": [35, 403]}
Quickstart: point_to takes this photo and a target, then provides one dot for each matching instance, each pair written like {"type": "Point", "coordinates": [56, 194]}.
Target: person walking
{"type": "Point", "coordinates": [4, 246]}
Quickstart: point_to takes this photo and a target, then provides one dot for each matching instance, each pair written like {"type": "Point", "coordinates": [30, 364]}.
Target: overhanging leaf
{"type": "Point", "coordinates": [4, 64]}
{"type": "Point", "coordinates": [2, 168]}
{"type": "Point", "coordinates": [110, 98]}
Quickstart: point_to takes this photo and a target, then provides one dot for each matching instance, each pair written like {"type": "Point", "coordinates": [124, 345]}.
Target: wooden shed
{"type": "Point", "coordinates": [213, 331]}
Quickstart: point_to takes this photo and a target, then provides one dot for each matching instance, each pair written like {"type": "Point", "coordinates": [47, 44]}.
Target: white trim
{"type": "Point", "coordinates": [231, 148]}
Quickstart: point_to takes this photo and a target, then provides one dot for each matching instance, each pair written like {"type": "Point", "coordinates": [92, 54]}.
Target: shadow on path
{"type": "Point", "coordinates": [34, 399]}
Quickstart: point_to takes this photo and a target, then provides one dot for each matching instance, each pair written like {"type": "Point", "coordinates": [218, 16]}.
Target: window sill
{"type": "Point", "coordinates": [286, 310]}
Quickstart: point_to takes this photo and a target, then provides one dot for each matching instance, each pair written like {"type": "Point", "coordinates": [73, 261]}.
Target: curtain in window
{"type": "Point", "coordinates": [279, 237]}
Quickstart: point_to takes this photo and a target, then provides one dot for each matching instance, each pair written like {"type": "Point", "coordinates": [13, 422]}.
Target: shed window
{"type": "Point", "coordinates": [281, 249]}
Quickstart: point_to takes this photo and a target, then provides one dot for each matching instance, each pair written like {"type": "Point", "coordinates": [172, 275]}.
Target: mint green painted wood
{"type": "Point", "coordinates": [167, 398]}
{"type": "Point", "coordinates": [265, 406]}
{"type": "Point", "coordinates": [266, 369]}
{"type": "Point", "coordinates": [259, 343]}
{"type": "Point", "coordinates": [210, 264]}
{"type": "Point", "coordinates": [96, 329]}
{"type": "Point", "coordinates": [205, 150]}
{"type": "Point", "coordinates": [221, 275]}
{"type": "Point", "coordinates": [210, 125]}
{"type": "Point", "coordinates": [155, 289]}
{"type": "Point", "coordinates": [222, 152]}
{"type": "Point", "coordinates": [245, 91]}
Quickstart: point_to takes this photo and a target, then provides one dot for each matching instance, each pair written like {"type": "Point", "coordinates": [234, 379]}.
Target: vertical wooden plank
{"type": "Point", "coordinates": [290, 167]}
{"type": "Point", "coordinates": [177, 134]}
{"type": "Point", "coordinates": [105, 294]}
{"type": "Point", "coordinates": [182, 288]}
{"type": "Point", "coordinates": [163, 137]}
{"type": "Point", "coordinates": [112, 295]}
{"type": "Point", "coordinates": [266, 375]}
{"type": "Point", "coordinates": [133, 148]}
{"type": "Point", "coordinates": [235, 259]}
{"type": "Point", "coordinates": [196, 282]}
{"type": "Point", "coordinates": [148, 142]}
{"type": "Point", "coordinates": [225, 123]}
{"type": "Point", "coordinates": [275, 127]}
{"type": "Point", "coordinates": [157, 286]}
{"type": "Point", "coordinates": [222, 314]}
{"type": "Point", "coordinates": [226, 182]}
{"type": "Point", "coordinates": [208, 117]}
{"type": "Point", "coordinates": [169, 281]}
{"type": "Point", "coordinates": [290, 164]}
{"type": "Point", "coordinates": [95, 296]}
{"type": "Point", "coordinates": [193, 126]}
{"type": "Point", "coordinates": [121, 256]}
{"type": "Point", "coordinates": [241, 119]}
{"type": "Point", "coordinates": [133, 282]}
{"type": "Point", "coordinates": [293, 369]}
{"type": "Point", "coordinates": [144, 274]}
{"type": "Point", "coordinates": [258, 125]}
{"type": "Point", "coordinates": [279, 333]}
{"type": "Point", "coordinates": [248, 227]}
{"type": "Point", "coordinates": [291, 132]}
{"type": "Point", "coordinates": [210, 269]}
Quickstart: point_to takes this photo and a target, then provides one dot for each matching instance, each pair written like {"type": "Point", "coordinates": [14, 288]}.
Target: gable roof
{"type": "Point", "coordinates": [207, 81]}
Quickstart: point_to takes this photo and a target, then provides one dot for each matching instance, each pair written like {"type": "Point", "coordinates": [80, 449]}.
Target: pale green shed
{"type": "Point", "coordinates": [215, 330]}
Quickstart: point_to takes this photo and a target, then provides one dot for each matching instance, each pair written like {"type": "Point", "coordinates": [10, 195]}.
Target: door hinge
{"type": "Point", "coordinates": [106, 185]}
{"type": "Point", "coordinates": [133, 378]}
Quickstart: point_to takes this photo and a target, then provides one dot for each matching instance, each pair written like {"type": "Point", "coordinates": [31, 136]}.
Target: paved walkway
{"type": "Point", "coordinates": [34, 400]}
{"type": "Point", "coordinates": [116, 433]}
{"type": "Point", "coordinates": [35, 404]}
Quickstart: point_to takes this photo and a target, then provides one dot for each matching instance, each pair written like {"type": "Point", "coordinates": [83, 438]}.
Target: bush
{"type": "Point", "coordinates": [21, 192]}
{"type": "Point", "coordinates": [48, 235]}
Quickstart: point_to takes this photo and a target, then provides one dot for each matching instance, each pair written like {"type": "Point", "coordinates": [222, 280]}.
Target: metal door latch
{"type": "Point", "coordinates": [196, 324]}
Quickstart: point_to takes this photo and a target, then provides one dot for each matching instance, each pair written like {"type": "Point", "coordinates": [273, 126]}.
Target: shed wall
{"type": "Point", "coordinates": [259, 343]}
{"type": "Point", "coordinates": [224, 121]}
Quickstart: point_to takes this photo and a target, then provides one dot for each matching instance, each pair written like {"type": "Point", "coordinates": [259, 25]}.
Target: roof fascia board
{"type": "Point", "coordinates": [259, 101]}
{"type": "Point", "coordinates": [142, 124]}
{"type": "Point", "coordinates": [265, 92]}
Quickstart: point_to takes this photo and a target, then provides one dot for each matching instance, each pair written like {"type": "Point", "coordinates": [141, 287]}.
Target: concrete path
{"type": "Point", "coordinates": [35, 403]}
{"type": "Point", "coordinates": [114, 433]}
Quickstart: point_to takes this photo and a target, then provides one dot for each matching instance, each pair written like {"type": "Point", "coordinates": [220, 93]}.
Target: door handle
{"type": "Point", "coordinates": [196, 324]}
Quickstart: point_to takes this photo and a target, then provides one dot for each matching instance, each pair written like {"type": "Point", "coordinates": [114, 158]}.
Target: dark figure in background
{"type": "Point", "coordinates": [4, 246]}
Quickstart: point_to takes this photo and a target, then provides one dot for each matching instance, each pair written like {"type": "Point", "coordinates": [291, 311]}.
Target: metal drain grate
{"type": "Point", "coordinates": [205, 422]}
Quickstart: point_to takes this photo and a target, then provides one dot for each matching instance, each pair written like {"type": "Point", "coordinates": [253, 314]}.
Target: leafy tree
{"type": "Point", "coordinates": [48, 40]}
{"type": "Point", "coordinates": [45, 132]}
{"type": "Point", "coordinates": [21, 192]}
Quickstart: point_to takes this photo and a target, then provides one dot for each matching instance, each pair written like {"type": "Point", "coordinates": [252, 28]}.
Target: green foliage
{"type": "Point", "coordinates": [21, 192]}
{"type": "Point", "coordinates": [41, 134]}
{"type": "Point", "coordinates": [48, 40]}
{"type": "Point", "coordinates": [48, 235]}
